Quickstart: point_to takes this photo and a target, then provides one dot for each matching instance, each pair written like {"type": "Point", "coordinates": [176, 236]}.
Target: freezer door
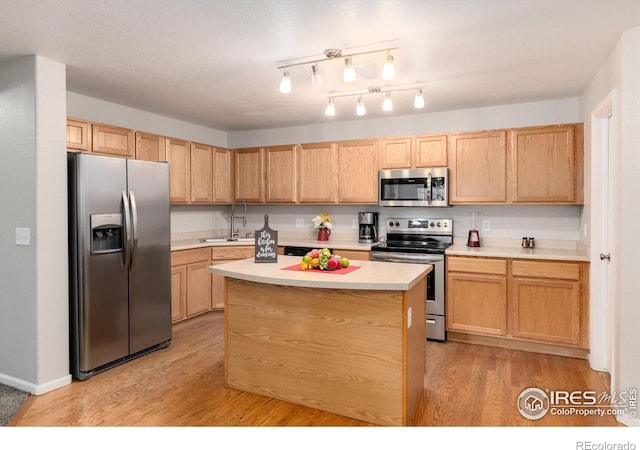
{"type": "Point", "coordinates": [99, 281]}
{"type": "Point", "coordinates": [150, 276]}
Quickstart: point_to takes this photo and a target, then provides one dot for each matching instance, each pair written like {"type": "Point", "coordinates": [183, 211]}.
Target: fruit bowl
{"type": "Point", "coordinates": [322, 259]}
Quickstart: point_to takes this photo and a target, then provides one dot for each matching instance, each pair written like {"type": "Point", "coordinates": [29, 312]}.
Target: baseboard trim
{"type": "Point", "coordinates": [35, 389]}
{"type": "Point", "coordinates": [513, 344]}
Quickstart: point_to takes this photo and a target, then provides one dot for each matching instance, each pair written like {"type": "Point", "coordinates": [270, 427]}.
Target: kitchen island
{"type": "Point", "coordinates": [351, 344]}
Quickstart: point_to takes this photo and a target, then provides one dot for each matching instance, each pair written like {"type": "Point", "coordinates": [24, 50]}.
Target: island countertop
{"type": "Point", "coordinates": [371, 275]}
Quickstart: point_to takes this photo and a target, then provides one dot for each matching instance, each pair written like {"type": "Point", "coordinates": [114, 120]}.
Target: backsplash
{"type": "Point", "coordinates": [543, 222]}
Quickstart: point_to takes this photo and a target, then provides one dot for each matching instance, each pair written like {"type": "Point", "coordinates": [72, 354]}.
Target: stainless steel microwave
{"type": "Point", "coordinates": [413, 187]}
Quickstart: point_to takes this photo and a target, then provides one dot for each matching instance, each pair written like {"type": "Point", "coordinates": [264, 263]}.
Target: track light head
{"type": "Point", "coordinates": [387, 104]}
{"type": "Point", "coordinates": [330, 110]}
{"type": "Point", "coordinates": [389, 70]}
{"type": "Point", "coordinates": [285, 83]}
{"type": "Point", "coordinates": [360, 108]}
{"type": "Point", "coordinates": [349, 71]}
{"type": "Point", "coordinates": [418, 101]}
{"type": "Point", "coordinates": [316, 78]}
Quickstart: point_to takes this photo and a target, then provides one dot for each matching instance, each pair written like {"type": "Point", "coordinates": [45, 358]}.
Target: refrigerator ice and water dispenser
{"type": "Point", "coordinates": [106, 233]}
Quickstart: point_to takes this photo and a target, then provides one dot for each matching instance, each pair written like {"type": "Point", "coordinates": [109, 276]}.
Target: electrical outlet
{"type": "Point", "coordinates": [486, 225]}
{"type": "Point", "coordinates": [354, 224]}
{"type": "Point", "coordinates": [23, 236]}
{"type": "Point", "coordinates": [299, 223]}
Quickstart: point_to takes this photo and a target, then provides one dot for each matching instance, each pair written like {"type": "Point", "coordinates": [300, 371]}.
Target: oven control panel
{"type": "Point", "coordinates": [422, 225]}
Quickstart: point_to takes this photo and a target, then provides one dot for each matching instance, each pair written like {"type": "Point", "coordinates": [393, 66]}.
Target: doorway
{"type": "Point", "coordinates": [604, 211]}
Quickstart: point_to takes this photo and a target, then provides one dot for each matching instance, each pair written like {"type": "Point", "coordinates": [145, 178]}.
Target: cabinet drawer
{"type": "Point", "coordinates": [232, 252]}
{"type": "Point", "coordinates": [553, 270]}
{"type": "Point", "coordinates": [477, 265]}
{"type": "Point", "coordinates": [181, 257]}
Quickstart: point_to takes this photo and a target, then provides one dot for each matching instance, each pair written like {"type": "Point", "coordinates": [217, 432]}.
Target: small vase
{"type": "Point", "coordinates": [323, 234]}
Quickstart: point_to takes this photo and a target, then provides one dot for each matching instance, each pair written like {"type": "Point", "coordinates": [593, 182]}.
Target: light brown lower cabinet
{"type": "Point", "coordinates": [190, 283]}
{"type": "Point", "coordinates": [353, 255]}
{"type": "Point", "coordinates": [221, 255]}
{"type": "Point", "coordinates": [542, 302]}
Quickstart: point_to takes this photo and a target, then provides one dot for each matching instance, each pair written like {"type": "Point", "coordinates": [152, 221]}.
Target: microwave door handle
{"type": "Point", "coordinates": [429, 189]}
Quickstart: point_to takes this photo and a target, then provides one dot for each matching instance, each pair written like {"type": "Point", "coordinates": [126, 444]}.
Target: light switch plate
{"type": "Point", "coordinates": [23, 236]}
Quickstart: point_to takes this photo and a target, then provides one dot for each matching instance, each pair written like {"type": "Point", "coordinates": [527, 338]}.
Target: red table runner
{"type": "Point", "coordinates": [342, 271]}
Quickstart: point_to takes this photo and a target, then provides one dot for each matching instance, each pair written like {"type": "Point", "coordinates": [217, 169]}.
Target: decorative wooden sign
{"type": "Point", "coordinates": [266, 250]}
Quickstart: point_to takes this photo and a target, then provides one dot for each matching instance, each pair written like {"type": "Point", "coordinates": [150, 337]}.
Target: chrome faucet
{"type": "Point", "coordinates": [235, 233]}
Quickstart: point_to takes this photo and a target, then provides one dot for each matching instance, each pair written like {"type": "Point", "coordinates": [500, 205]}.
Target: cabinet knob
{"type": "Point", "coordinates": [605, 256]}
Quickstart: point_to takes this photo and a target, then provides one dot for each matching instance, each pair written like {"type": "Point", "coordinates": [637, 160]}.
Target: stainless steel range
{"type": "Point", "coordinates": [421, 241]}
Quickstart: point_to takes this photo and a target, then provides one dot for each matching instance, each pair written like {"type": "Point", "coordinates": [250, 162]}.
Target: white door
{"type": "Point", "coordinates": [603, 237]}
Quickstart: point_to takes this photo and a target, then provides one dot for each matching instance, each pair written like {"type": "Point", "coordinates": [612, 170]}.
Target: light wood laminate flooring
{"type": "Point", "coordinates": [182, 385]}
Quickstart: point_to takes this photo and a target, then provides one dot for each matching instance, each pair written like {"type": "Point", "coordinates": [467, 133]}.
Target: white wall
{"type": "Point", "coordinates": [621, 71]}
{"type": "Point", "coordinates": [34, 349]}
{"type": "Point", "coordinates": [505, 116]}
{"type": "Point", "coordinates": [92, 109]}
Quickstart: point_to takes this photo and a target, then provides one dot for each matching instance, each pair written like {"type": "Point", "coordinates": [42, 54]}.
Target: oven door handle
{"type": "Point", "coordinates": [408, 259]}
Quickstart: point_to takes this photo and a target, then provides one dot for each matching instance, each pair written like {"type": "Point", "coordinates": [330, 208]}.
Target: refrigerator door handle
{"type": "Point", "coordinates": [134, 215]}
{"type": "Point", "coordinates": [127, 231]}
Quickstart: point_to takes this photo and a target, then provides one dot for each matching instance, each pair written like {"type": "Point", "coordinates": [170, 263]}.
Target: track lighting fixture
{"type": "Point", "coordinates": [418, 101]}
{"type": "Point", "coordinates": [285, 83]}
{"type": "Point", "coordinates": [349, 74]}
{"type": "Point", "coordinates": [387, 104]}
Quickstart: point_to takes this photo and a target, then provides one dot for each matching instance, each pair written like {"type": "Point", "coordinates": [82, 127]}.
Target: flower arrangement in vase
{"type": "Point", "coordinates": [323, 223]}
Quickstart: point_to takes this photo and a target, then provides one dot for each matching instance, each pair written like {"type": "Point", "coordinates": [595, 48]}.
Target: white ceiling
{"type": "Point", "coordinates": [214, 62]}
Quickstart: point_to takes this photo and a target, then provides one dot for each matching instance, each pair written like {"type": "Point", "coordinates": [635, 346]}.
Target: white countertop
{"type": "Point", "coordinates": [558, 254]}
{"type": "Point", "coordinates": [372, 275]}
{"type": "Point", "coordinates": [185, 244]}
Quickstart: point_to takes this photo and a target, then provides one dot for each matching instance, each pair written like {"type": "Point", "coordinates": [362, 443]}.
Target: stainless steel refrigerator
{"type": "Point", "coordinates": [119, 261]}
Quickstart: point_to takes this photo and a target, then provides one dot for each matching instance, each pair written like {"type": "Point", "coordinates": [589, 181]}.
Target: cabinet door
{"type": "Point", "coordinates": [316, 173]}
{"type": "Point", "coordinates": [217, 288]}
{"type": "Point", "coordinates": [543, 165]}
{"type": "Point", "coordinates": [198, 288]}
{"type": "Point", "coordinates": [357, 172]}
{"type": "Point", "coordinates": [396, 153]}
{"type": "Point", "coordinates": [478, 167]}
{"type": "Point", "coordinates": [179, 170]}
{"type": "Point", "coordinates": [78, 135]}
{"type": "Point", "coordinates": [150, 147]}
{"type": "Point", "coordinates": [280, 168]}
{"type": "Point", "coordinates": [477, 303]}
{"type": "Point", "coordinates": [178, 292]}
{"type": "Point", "coordinates": [546, 310]}
{"type": "Point", "coordinates": [249, 175]}
{"type": "Point", "coordinates": [201, 173]}
{"type": "Point", "coordinates": [114, 141]}
{"type": "Point", "coordinates": [430, 151]}
{"type": "Point", "coordinates": [221, 175]}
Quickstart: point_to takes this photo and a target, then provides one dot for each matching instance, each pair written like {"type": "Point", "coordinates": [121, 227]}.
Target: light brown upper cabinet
{"type": "Point", "coordinates": [430, 151]}
{"type": "Point", "coordinates": [316, 169]}
{"type": "Point", "coordinates": [413, 152]}
{"type": "Point", "coordinates": [546, 166]}
{"type": "Point", "coordinates": [249, 179]}
{"type": "Point", "coordinates": [78, 135]}
{"type": "Point", "coordinates": [113, 141]}
{"type": "Point", "coordinates": [221, 175]}
{"type": "Point", "coordinates": [357, 175]}
{"type": "Point", "coordinates": [150, 147]}
{"type": "Point", "coordinates": [179, 158]}
{"type": "Point", "coordinates": [478, 167]}
{"type": "Point", "coordinates": [395, 153]}
{"type": "Point", "coordinates": [201, 157]}
{"type": "Point", "coordinates": [280, 173]}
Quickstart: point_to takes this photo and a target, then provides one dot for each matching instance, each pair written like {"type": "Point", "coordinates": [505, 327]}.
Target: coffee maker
{"type": "Point", "coordinates": [368, 227]}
